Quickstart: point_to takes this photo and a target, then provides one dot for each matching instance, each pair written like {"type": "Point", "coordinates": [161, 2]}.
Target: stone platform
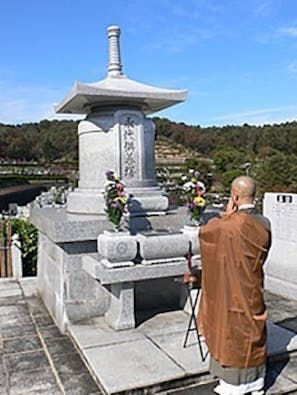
{"type": "Point", "coordinates": [36, 359]}
{"type": "Point", "coordinates": [151, 359]}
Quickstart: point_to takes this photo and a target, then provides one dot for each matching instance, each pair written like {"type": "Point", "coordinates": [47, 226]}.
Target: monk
{"type": "Point", "coordinates": [232, 314]}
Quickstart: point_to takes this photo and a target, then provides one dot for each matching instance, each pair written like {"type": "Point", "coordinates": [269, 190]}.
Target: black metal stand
{"type": "Point", "coordinates": [193, 303]}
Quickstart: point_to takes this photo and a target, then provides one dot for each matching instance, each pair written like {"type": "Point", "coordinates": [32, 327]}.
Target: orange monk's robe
{"type": "Point", "coordinates": [232, 313]}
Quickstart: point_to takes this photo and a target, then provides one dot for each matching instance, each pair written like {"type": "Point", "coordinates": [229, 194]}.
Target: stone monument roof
{"type": "Point", "coordinates": [117, 89]}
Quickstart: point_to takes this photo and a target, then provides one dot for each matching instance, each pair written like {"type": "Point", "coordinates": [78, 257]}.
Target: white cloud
{"type": "Point", "coordinates": [292, 67]}
{"type": "Point", "coordinates": [181, 40]}
{"type": "Point", "coordinates": [260, 116]}
{"type": "Point", "coordinates": [19, 104]}
{"type": "Point", "coordinates": [274, 35]}
{"type": "Point", "coordinates": [267, 8]}
{"type": "Point", "coordinates": [290, 31]}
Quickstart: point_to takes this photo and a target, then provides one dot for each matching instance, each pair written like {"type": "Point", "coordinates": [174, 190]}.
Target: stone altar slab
{"type": "Point", "coordinates": [92, 265]}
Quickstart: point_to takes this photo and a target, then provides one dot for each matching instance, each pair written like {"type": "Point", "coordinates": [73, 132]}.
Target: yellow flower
{"type": "Point", "coordinates": [199, 201]}
{"type": "Point", "coordinates": [120, 199]}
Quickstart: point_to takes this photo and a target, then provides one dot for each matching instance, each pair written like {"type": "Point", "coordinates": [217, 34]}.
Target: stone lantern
{"type": "Point", "coordinates": [116, 134]}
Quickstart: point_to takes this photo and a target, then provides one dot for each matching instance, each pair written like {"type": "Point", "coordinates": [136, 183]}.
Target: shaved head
{"type": "Point", "coordinates": [244, 186]}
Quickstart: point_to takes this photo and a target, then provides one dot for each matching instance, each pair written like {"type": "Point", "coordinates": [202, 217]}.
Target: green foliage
{"type": "Point", "coordinates": [227, 158]}
{"type": "Point", "coordinates": [115, 199]}
{"type": "Point", "coordinates": [45, 141]}
{"type": "Point", "coordinates": [276, 172]}
{"type": "Point", "coordinates": [271, 149]}
{"type": "Point", "coordinates": [228, 176]}
{"type": "Point", "coordinates": [29, 244]}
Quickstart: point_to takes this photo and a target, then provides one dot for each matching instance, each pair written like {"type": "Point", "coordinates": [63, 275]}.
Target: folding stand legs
{"type": "Point", "coordinates": [193, 304]}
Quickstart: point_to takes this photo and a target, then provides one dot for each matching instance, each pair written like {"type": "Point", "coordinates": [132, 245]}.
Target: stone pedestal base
{"type": "Point", "coordinates": [86, 201]}
{"type": "Point", "coordinates": [120, 314]}
{"type": "Point", "coordinates": [145, 201]}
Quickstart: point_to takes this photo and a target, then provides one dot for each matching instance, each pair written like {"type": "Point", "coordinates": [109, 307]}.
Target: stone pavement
{"type": "Point", "coordinates": [150, 358]}
{"type": "Point", "coordinates": [37, 359]}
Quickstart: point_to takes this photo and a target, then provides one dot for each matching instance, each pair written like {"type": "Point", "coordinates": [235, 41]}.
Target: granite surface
{"type": "Point", "coordinates": [34, 357]}
{"type": "Point", "coordinates": [37, 359]}
{"type": "Point", "coordinates": [160, 337]}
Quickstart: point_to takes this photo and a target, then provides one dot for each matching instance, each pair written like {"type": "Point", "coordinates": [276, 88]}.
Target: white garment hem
{"type": "Point", "coordinates": [229, 389]}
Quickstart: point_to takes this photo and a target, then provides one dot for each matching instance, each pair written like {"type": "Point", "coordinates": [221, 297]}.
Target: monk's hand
{"type": "Point", "coordinates": [231, 208]}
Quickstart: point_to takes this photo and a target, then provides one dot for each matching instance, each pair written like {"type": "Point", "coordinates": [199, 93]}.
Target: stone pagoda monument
{"type": "Point", "coordinates": [115, 135]}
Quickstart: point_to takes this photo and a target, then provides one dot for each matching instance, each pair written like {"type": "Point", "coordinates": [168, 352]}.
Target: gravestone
{"type": "Point", "coordinates": [117, 135]}
{"type": "Point", "coordinates": [281, 267]}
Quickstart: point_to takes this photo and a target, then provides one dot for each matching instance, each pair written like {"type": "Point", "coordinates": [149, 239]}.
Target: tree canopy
{"type": "Point", "coordinates": [270, 149]}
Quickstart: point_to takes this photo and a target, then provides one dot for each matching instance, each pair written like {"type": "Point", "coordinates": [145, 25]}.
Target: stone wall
{"type": "Point", "coordinates": [67, 290]}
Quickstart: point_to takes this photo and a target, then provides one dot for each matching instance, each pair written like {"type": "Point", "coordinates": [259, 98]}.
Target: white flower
{"type": "Point", "coordinates": [188, 186]}
{"type": "Point", "coordinates": [201, 185]}
{"type": "Point", "coordinates": [184, 178]}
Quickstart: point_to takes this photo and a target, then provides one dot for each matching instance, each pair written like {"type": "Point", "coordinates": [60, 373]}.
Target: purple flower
{"type": "Point", "coordinates": [109, 175]}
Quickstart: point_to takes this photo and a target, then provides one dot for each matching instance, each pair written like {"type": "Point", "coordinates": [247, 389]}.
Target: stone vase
{"type": "Point", "coordinates": [117, 248]}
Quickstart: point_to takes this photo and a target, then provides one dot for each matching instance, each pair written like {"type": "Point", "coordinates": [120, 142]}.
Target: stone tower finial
{"type": "Point", "coordinates": [114, 55]}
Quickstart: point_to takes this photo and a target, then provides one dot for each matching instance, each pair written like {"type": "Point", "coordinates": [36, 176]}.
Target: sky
{"type": "Point", "coordinates": [236, 58]}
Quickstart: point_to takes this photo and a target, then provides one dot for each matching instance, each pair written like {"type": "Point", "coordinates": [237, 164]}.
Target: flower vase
{"type": "Point", "coordinates": [191, 230]}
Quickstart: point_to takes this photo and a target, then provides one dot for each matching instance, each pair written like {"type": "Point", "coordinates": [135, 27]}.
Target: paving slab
{"type": "Point", "coordinates": [50, 332]}
{"type": "Point", "coordinates": [15, 319]}
{"type": "Point", "coordinates": [74, 375]}
{"type": "Point", "coordinates": [279, 377]}
{"type": "Point", "coordinates": [34, 357]}
{"type": "Point", "coordinates": [12, 331]}
{"type": "Point", "coordinates": [80, 384]}
{"type": "Point", "coordinates": [188, 358]}
{"type": "Point", "coordinates": [21, 344]}
{"type": "Point", "coordinates": [290, 369]}
{"type": "Point", "coordinates": [149, 355]}
{"type": "Point", "coordinates": [129, 365]}
{"type": "Point", "coordinates": [33, 382]}
{"type": "Point", "coordinates": [32, 360]}
{"type": "Point", "coordinates": [159, 324]}
{"type": "Point", "coordinates": [29, 286]}
{"type": "Point", "coordinates": [61, 346]}
{"type": "Point", "coordinates": [96, 332]}
{"type": "Point", "coordinates": [11, 300]}
{"type": "Point", "coordinates": [114, 356]}
{"type": "Point", "coordinates": [8, 291]}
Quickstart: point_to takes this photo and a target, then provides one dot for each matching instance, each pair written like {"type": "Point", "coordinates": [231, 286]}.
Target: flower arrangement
{"type": "Point", "coordinates": [193, 191]}
{"type": "Point", "coordinates": [115, 198]}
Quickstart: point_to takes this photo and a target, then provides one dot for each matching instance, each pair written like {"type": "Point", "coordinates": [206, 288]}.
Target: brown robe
{"type": "Point", "coordinates": [232, 313]}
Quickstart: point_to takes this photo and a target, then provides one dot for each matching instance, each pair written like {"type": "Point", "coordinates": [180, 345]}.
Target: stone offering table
{"type": "Point", "coordinates": [121, 312]}
{"type": "Point", "coordinates": [146, 257]}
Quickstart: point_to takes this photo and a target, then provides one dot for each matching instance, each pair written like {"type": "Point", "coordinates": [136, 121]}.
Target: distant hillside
{"type": "Point", "coordinates": [271, 150]}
